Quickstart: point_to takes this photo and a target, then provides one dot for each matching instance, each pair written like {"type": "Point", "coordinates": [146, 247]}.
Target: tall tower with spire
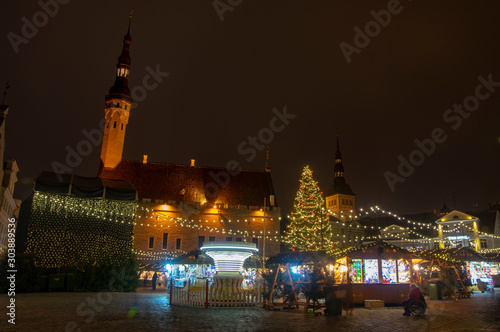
{"type": "Point", "coordinates": [340, 199]}
{"type": "Point", "coordinates": [117, 108]}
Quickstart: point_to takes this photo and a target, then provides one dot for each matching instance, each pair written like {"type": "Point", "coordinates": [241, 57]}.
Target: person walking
{"type": "Point", "coordinates": [413, 296]}
{"type": "Point", "coordinates": [155, 276]}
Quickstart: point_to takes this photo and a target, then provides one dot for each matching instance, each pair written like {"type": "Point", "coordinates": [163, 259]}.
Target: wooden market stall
{"type": "Point", "coordinates": [295, 269]}
{"type": "Point", "coordinates": [376, 271]}
{"type": "Point", "coordinates": [475, 269]}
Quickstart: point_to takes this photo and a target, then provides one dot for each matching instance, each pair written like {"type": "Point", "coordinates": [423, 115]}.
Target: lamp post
{"type": "Point", "coordinates": [271, 202]}
{"type": "Point", "coordinates": [264, 240]}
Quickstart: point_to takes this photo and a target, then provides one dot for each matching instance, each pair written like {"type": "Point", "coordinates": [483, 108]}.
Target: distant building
{"type": "Point", "coordinates": [182, 206]}
{"type": "Point", "coordinates": [8, 175]}
{"type": "Point", "coordinates": [340, 199]}
{"type": "Point", "coordinates": [443, 229]}
{"type": "Point", "coordinates": [340, 203]}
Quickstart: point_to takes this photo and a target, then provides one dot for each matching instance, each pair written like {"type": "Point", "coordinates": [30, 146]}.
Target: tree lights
{"type": "Point", "coordinates": [309, 228]}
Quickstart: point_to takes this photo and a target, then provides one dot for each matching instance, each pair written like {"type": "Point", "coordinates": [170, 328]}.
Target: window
{"type": "Point", "coordinates": [389, 271]}
{"type": "Point", "coordinates": [201, 240]}
{"type": "Point", "coordinates": [107, 125]}
{"type": "Point", "coordinates": [114, 125]}
{"type": "Point", "coordinates": [484, 244]}
{"type": "Point", "coordinates": [178, 244]}
{"type": "Point", "coordinates": [256, 241]}
{"type": "Point", "coordinates": [356, 268]}
{"type": "Point", "coordinates": [371, 271]}
{"type": "Point", "coordinates": [238, 239]}
{"type": "Point", "coordinates": [151, 242]}
{"type": "Point", "coordinates": [165, 239]}
{"type": "Point", "coordinates": [122, 126]}
{"type": "Point", "coordinates": [123, 72]}
{"type": "Point", "coordinates": [229, 238]}
{"type": "Point", "coordinates": [211, 238]}
{"type": "Point", "coordinates": [403, 271]}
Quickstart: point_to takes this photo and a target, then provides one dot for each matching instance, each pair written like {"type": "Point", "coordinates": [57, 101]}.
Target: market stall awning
{"type": "Point", "coordinates": [455, 255]}
{"type": "Point", "coordinates": [375, 250]}
{"type": "Point", "coordinates": [194, 257]}
{"type": "Point", "coordinates": [253, 261]}
{"type": "Point", "coordinates": [301, 258]}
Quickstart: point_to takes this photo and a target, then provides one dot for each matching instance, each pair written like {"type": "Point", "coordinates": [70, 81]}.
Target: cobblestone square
{"type": "Point", "coordinates": [150, 311]}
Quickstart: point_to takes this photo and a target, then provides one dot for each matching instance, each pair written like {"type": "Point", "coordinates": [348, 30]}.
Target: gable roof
{"type": "Point", "coordinates": [456, 216]}
{"type": "Point", "coordinates": [175, 182]}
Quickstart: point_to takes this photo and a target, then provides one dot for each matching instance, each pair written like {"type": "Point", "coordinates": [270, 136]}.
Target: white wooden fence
{"type": "Point", "coordinates": [201, 296]}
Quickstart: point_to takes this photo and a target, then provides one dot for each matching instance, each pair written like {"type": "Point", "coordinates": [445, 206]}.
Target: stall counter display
{"type": "Point", "coordinates": [389, 275]}
{"type": "Point", "coordinates": [403, 271]}
{"type": "Point", "coordinates": [356, 271]}
{"type": "Point", "coordinates": [479, 270]}
{"type": "Point", "coordinates": [371, 271]}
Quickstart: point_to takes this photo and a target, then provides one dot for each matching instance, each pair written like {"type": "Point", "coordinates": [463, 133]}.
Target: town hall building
{"type": "Point", "coordinates": [181, 206]}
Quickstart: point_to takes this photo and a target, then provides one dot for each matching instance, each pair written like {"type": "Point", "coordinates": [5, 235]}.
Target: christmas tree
{"type": "Point", "coordinates": [309, 227]}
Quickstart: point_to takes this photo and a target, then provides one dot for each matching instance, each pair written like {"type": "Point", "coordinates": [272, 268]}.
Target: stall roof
{"type": "Point", "coordinates": [463, 254]}
{"type": "Point", "coordinates": [84, 187]}
{"type": "Point", "coordinates": [375, 250]}
{"type": "Point", "coordinates": [194, 257]}
{"type": "Point", "coordinates": [493, 257]}
{"type": "Point", "coordinates": [300, 258]}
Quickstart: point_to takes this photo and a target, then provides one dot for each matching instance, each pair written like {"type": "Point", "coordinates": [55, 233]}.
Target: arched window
{"type": "Point", "coordinates": [122, 72]}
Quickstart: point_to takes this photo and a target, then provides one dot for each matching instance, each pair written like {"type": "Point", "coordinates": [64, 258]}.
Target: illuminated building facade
{"type": "Point", "coordinates": [183, 206]}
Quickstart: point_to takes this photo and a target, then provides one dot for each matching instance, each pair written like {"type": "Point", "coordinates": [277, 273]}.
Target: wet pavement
{"type": "Point", "coordinates": [150, 311]}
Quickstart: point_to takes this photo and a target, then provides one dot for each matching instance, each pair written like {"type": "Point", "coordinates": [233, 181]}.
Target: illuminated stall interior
{"type": "Point", "coordinates": [377, 271]}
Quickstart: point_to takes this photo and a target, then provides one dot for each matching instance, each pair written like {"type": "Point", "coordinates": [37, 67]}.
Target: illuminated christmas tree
{"type": "Point", "coordinates": [309, 227]}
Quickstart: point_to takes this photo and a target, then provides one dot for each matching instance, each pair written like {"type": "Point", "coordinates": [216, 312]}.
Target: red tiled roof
{"type": "Point", "coordinates": [174, 182]}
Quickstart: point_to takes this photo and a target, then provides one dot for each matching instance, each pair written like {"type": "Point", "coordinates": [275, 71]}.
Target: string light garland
{"type": "Point", "coordinates": [67, 230]}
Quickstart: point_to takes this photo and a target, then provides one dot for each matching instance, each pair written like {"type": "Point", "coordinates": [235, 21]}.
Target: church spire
{"type": "Point", "coordinates": [120, 88]}
{"type": "Point", "coordinates": [117, 108]}
{"type": "Point", "coordinates": [338, 169]}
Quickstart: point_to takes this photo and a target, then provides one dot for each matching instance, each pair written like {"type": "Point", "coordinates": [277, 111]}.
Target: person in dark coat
{"type": "Point", "coordinates": [155, 276]}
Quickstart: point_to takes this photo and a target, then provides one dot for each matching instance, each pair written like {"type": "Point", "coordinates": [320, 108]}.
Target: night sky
{"type": "Point", "coordinates": [225, 78]}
